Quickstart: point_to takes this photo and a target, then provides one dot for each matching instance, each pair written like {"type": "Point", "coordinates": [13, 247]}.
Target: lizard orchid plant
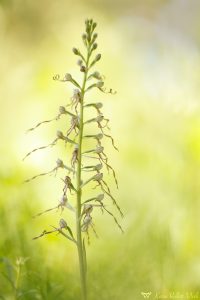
{"type": "Point", "coordinates": [77, 169]}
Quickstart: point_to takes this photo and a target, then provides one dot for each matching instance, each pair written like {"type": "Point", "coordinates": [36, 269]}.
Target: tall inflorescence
{"type": "Point", "coordinates": [75, 179]}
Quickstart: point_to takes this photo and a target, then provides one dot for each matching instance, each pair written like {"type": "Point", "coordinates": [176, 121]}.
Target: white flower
{"type": "Point", "coordinates": [98, 177]}
{"type": "Point", "coordinates": [100, 197]}
{"type": "Point", "coordinates": [99, 118]}
{"type": "Point", "coordinates": [76, 94]}
{"type": "Point", "coordinates": [100, 84]}
{"type": "Point", "coordinates": [62, 223]}
{"type": "Point", "coordinates": [59, 163]}
{"type": "Point", "coordinates": [62, 110]}
{"type": "Point", "coordinates": [60, 135]}
{"type": "Point", "coordinates": [68, 77]}
{"type": "Point", "coordinates": [99, 149]}
{"type": "Point", "coordinates": [65, 203]}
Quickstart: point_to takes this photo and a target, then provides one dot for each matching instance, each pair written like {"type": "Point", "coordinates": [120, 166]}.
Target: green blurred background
{"type": "Point", "coordinates": [150, 55]}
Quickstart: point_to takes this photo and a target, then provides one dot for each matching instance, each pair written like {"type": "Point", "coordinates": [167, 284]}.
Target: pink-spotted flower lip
{"type": "Point", "coordinates": [79, 62]}
{"type": "Point", "coordinates": [98, 57]}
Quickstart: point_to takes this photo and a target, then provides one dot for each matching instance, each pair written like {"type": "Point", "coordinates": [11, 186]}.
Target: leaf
{"type": "Point", "coordinates": [22, 293]}
{"type": "Point", "coordinates": [9, 280]}
{"type": "Point", "coordinates": [9, 270]}
{"type": "Point", "coordinates": [70, 231]}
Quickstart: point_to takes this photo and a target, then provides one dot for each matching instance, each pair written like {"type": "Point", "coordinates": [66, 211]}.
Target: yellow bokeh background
{"type": "Point", "coordinates": [150, 56]}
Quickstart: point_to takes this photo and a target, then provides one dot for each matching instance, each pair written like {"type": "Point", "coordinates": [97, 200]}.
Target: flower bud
{"type": "Point", "coordinates": [75, 51]}
{"type": "Point", "coordinates": [79, 62]}
{"type": "Point", "coordinates": [88, 37]}
{"type": "Point", "coordinates": [86, 22]}
{"type": "Point", "coordinates": [94, 25]}
{"type": "Point", "coordinates": [95, 36]}
{"type": "Point", "coordinates": [87, 29]}
{"type": "Point", "coordinates": [83, 69]}
{"type": "Point", "coordinates": [99, 149]}
{"type": "Point", "coordinates": [96, 75]}
{"type": "Point", "coordinates": [98, 57]}
{"type": "Point", "coordinates": [84, 37]}
{"type": "Point", "coordinates": [62, 223]}
{"type": "Point", "coordinates": [99, 105]}
{"type": "Point", "coordinates": [94, 46]}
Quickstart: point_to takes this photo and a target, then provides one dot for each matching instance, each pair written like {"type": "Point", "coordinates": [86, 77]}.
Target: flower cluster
{"type": "Point", "coordinates": [89, 40]}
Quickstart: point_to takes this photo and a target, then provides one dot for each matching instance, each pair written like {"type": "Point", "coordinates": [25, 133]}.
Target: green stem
{"type": "Point", "coordinates": [79, 190]}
